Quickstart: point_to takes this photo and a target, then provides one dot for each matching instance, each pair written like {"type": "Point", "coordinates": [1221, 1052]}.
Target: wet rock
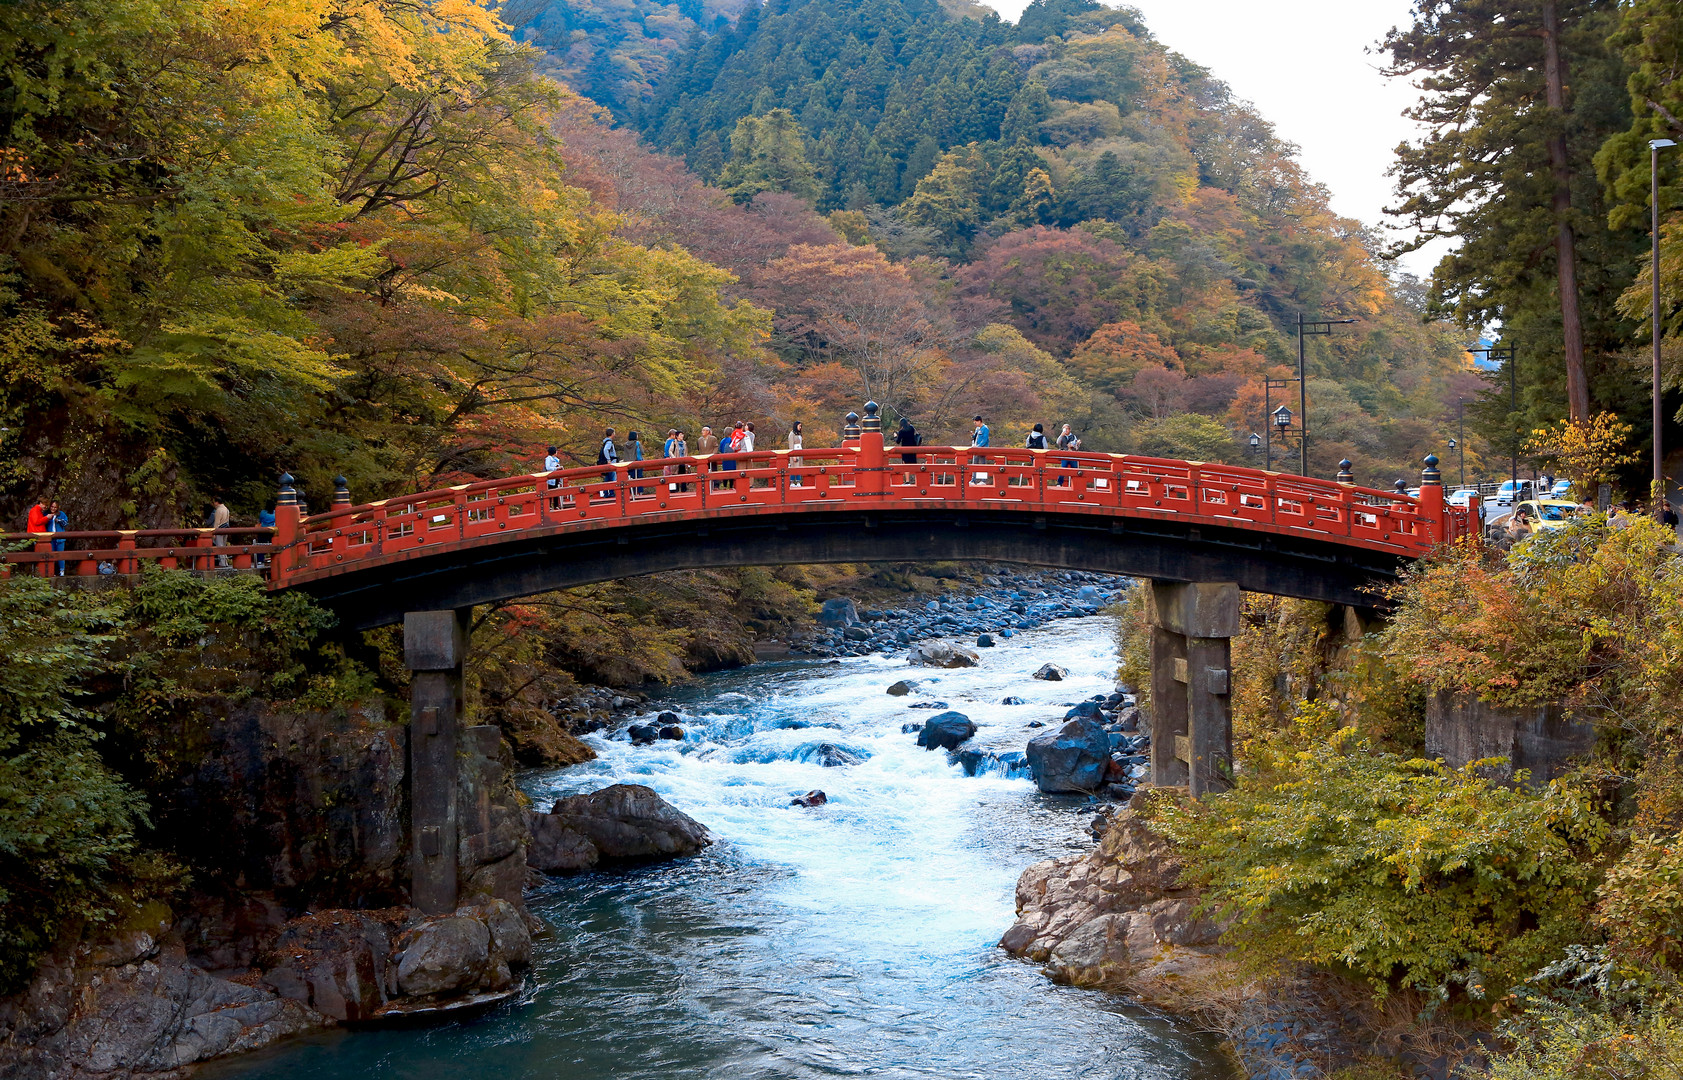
{"type": "Point", "coordinates": [972, 761]}
{"type": "Point", "coordinates": [856, 633]}
{"type": "Point", "coordinates": [941, 654]}
{"type": "Point", "coordinates": [333, 962]}
{"type": "Point", "coordinates": [1051, 673]}
{"type": "Point", "coordinates": [630, 821]}
{"type": "Point", "coordinates": [1072, 759]}
{"type": "Point", "coordinates": [811, 798]}
{"type": "Point", "coordinates": [838, 613]}
{"type": "Point", "coordinates": [444, 956]}
{"type": "Point", "coordinates": [668, 717]}
{"type": "Point", "coordinates": [946, 731]}
{"type": "Point", "coordinates": [556, 849]}
{"type": "Point", "coordinates": [928, 705]}
{"type": "Point", "coordinates": [903, 687]}
{"type": "Point", "coordinates": [909, 727]}
{"type": "Point", "coordinates": [643, 734]}
{"type": "Point", "coordinates": [672, 731]}
{"type": "Point", "coordinates": [829, 756]}
{"type": "Point", "coordinates": [1035, 724]}
{"type": "Point", "coordinates": [984, 641]}
{"type": "Point", "coordinates": [1012, 701]}
{"type": "Point", "coordinates": [1089, 709]}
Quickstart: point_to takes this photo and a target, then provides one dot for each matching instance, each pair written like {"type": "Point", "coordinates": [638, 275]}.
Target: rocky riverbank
{"type": "Point", "coordinates": [1006, 604]}
{"type": "Point", "coordinates": [1116, 918]}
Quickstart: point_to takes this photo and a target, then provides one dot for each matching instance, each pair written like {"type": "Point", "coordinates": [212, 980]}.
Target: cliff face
{"type": "Point", "coordinates": [294, 827]}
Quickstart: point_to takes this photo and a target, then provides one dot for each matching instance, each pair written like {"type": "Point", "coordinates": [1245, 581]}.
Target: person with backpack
{"type": "Point", "coordinates": [908, 436]}
{"type": "Point", "coordinates": [1037, 438]}
{"type": "Point", "coordinates": [607, 455]}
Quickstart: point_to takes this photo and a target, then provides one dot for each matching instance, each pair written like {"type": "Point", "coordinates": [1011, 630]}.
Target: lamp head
{"type": "Point", "coordinates": [1255, 440]}
{"type": "Point", "coordinates": [1282, 417]}
{"type": "Point", "coordinates": [1659, 144]}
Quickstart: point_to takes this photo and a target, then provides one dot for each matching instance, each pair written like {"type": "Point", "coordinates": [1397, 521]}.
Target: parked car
{"type": "Point", "coordinates": [1562, 490]}
{"type": "Point", "coordinates": [1548, 513]}
{"type": "Point", "coordinates": [1469, 498]}
{"type": "Point", "coordinates": [1513, 491]}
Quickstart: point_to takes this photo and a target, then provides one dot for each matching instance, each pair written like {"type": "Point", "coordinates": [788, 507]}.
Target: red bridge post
{"type": "Point", "coordinates": [1432, 507]}
{"type": "Point", "coordinates": [289, 529]}
{"type": "Point", "coordinates": [871, 479]}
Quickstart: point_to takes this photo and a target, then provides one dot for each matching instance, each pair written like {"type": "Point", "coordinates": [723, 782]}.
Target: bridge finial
{"type": "Point", "coordinates": [873, 422]}
{"type": "Point", "coordinates": [850, 427]}
{"type": "Point", "coordinates": [1345, 476]}
{"type": "Point", "coordinates": [1402, 487]}
{"type": "Point", "coordinates": [1430, 474]}
{"type": "Point", "coordinates": [288, 496]}
{"type": "Point", "coordinates": [341, 492]}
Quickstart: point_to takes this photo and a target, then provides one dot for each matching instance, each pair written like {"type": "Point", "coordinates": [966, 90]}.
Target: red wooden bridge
{"type": "Point", "coordinates": [495, 539]}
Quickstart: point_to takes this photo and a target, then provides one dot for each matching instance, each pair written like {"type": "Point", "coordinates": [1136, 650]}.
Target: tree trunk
{"type": "Point", "coordinates": [1566, 257]}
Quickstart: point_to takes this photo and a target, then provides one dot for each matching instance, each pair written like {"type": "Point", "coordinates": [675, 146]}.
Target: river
{"type": "Point", "coordinates": [852, 939]}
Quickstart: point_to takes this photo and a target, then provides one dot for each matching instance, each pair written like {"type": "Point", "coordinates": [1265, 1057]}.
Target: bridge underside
{"type": "Point", "coordinates": [462, 575]}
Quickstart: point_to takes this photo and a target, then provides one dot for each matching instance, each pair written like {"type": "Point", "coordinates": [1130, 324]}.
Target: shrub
{"type": "Point", "coordinates": [1401, 871]}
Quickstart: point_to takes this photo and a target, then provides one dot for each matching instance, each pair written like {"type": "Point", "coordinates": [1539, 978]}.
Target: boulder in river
{"type": "Point", "coordinates": [672, 731]}
{"type": "Point", "coordinates": [668, 717]}
{"type": "Point", "coordinates": [1072, 759]}
{"type": "Point", "coordinates": [941, 654]}
{"type": "Point", "coordinates": [444, 956]}
{"type": "Point", "coordinates": [811, 798]}
{"type": "Point", "coordinates": [1089, 709]}
{"type": "Point", "coordinates": [643, 734]}
{"type": "Point", "coordinates": [1051, 673]}
{"type": "Point", "coordinates": [625, 821]}
{"type": "Point", "coordinates": [902, 688]}
{"type": "Point", "coordinates": [1013, 701]}
{"type": "Point", "coordinates": [927, 705]}
{"type": "Point", "coordinates": [984, 641]}
{"type": "Point", "coordinates": [828, 756]}
{"type": "Point", "coordinates": [838, 612]}
{"type": "Point", "coordinates": [946, 731]}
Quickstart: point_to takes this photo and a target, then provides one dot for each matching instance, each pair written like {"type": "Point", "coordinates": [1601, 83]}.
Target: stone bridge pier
{"type": "Point", "coordinates": [1192, 629]}
{"type": "Point", "coordinates": [434, 649]}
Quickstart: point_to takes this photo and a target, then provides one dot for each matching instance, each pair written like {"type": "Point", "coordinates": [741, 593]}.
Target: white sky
{"type": "Point", "coordinates": [1304, 64]}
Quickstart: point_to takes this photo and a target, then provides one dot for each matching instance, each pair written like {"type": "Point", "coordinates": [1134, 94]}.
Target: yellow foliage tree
{"type": "Point", "coordinates": [1589, 451]}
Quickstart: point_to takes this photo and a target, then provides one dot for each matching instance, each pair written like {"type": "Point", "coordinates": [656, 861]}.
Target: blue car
{"type": "Point", "coordinates": [1562, 490]}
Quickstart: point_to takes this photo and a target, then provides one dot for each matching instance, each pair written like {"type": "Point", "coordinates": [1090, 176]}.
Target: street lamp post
{"type": "Point", "coordinates": [1504, 355]}
{"type": "Point", "coordinates": [1654, 148]}
{"type": "Point", "coordinates": [1305, 327]}
{"type": "Point", "coordinates": [1268, 388]}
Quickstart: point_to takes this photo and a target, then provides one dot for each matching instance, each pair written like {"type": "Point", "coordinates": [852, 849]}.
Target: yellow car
{"type": "Point", "coordinates": [1548, 513]}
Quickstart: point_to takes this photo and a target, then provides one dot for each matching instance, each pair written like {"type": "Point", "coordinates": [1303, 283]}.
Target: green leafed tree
{"type": "Point", "coordinates": [1519, 95]}
{"type": "Point", "coordinates": [768, 153]}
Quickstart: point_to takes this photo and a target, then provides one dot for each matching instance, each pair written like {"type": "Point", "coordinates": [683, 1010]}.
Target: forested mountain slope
{"type": "Point", "coordinates": [1071, 178]}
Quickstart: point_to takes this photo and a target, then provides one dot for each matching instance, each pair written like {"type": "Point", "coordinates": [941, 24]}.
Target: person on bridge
{"type": "Point", "coordinates": [669, 449]}
{"type": "Point", "coordinates": [219, 520]}
{"type": "Point", "coordinates": [1036, 438]}
{"type": "Point", "coordinates": [38, 517]}
{"type": "Point", "coordinates": [57, 522]}
{"type": "Point", "coordinates": [730, 444]}
{"type": "Point", "coordinates": [1067, 441]}
{"type": "Point", "coordinates": [551, 463]}
{"type": "Point", "coordinates": [794, 442]}
{"type": "Point", "coordinates": [607, 455]}
{"type": "Point", "coordinates": [907, 436]}
{"type": "Point", "coordinates": [979, 437]}
{"type": "Point", "coordinates": [634, 452]}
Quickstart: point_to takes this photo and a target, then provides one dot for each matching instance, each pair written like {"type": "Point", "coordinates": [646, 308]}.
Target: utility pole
{"type": "Point", "coordinates": [1305, 327]}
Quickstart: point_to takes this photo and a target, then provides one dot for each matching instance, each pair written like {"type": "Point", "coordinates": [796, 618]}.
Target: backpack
{"type": "Point", "coordinates": [1036, 440]}
{"type": "Point", "coordinates": [602, 454]}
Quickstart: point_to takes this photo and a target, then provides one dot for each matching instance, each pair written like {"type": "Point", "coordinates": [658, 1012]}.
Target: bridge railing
{"type": "Point", "coordinates": [864, 473]}
{"type": "Point", "coordinates": [123, 551]}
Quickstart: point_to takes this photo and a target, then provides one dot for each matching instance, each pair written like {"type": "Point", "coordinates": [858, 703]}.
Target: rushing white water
{"type": "Point", "coordinates": [856, 938]}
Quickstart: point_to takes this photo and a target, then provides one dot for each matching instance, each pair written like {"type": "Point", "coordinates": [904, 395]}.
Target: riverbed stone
{"type": "Point", "coordinates": [946, 730]}
{"type": "Point", "coordinates": [811, 798]}
{"type": "Point", "coordinates": [557, 849]}
{"type": "Point", "coordinates": [1072, 759]}
{"type": "Point", "coordinates": [941, 654]}
{"type": "Point", "coordinates": [838, 612]}
{"type": "Point", "coordinates": [902, 688]}
{"type": "Point", "coordinates": [443, 956]}
{"type": "Point", "coordinates": [1051, 673]}
{"type": "Point", "coordinates": [630, 821]}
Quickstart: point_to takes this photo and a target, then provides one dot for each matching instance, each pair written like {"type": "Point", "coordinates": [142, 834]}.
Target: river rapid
{"type": "Point", "coordinates": [852, 939]}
